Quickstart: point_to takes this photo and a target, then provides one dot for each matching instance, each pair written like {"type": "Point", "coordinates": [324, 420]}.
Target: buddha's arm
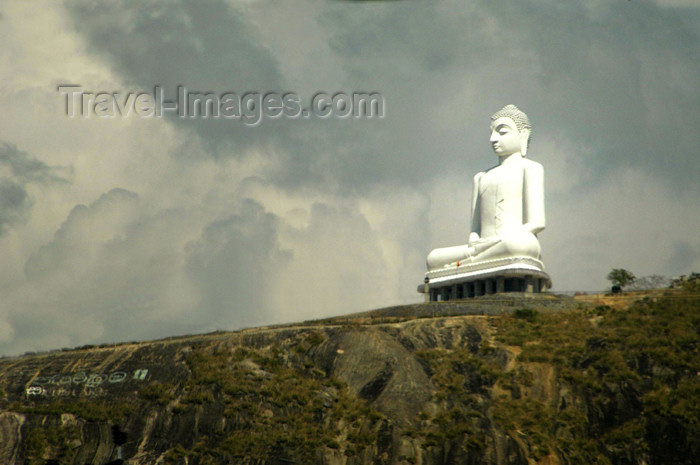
{"type": "Point", "coordinates": [533, 198]}
{"type": "Point", "coordinates": [475, 229]}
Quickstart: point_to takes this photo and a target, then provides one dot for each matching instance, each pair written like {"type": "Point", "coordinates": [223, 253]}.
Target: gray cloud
{"type": "Point", "coordinates": [685, 257]}
{"type": "Point", "coordinates": [589, 73]}
{"type": "Point", "coordinates": [226, 225]}
{"type": "Point", "coordinates": [75, 246]}
{"type": "Point", "coordinates": [206, 47]}
{"type": "Point", "coordinates": [613, 77]}
{"type": "Point", "coordinates": [124, 274]}
{"type": "Point", "coordinates": [17, 171]}
{"type": "Point", "coordinates": [616, 77]}
{"type": "Point", "coordinates": [232, 264]}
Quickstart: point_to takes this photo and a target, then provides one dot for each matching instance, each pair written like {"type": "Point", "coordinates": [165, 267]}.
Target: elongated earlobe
{"type": "Point", "coordinates": [524, 138]}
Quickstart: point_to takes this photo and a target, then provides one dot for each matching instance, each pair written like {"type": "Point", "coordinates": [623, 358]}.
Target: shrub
{"type": "Point", "coordinates": [527, 314]}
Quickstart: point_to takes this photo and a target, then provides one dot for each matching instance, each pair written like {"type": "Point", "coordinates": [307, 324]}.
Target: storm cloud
{"type": "Point", "coordinates": [17, 171]}
{"type": "Point", "coordinates": [130, 228]}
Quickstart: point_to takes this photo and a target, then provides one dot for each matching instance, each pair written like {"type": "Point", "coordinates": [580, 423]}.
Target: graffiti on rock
{"type": "Point", "coordinates": [80, 383]}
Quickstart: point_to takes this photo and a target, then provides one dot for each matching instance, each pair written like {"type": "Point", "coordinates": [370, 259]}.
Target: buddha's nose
{"type": "Point", "coordinates": [494, 136]}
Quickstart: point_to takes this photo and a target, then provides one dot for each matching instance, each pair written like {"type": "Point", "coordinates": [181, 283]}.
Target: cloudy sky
{"type": "Point", "coordinates": [120, 229]}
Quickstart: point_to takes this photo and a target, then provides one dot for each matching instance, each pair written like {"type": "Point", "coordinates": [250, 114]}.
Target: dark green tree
{"type": "Point", "coordinates": [621, 277]}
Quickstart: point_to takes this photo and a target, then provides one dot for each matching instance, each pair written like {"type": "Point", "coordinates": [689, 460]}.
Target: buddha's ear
{"type": "Point", "coordinates": [524, 137]}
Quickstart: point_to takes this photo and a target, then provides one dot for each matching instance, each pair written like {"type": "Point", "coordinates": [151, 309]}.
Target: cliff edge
{"type": "Point", "coordinates": [523, 381]}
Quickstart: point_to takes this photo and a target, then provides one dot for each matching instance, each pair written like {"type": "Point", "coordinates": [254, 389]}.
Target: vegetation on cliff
{"type": "Point", "coordinates": [589, 385]}
{"type": "Point", "coordinates": [634, 371]}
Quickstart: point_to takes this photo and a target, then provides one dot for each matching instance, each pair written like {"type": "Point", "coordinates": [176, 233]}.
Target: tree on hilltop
{"type": "Point", "coordinates": [621, 277]}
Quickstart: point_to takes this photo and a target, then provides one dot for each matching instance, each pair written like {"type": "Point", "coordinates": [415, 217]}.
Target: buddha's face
{"type": "Point", "coordinates": [505, 137]}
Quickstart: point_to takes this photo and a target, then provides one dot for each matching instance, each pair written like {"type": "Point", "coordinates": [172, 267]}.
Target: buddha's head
{"type": "Point", "coordinates": [510, 131]}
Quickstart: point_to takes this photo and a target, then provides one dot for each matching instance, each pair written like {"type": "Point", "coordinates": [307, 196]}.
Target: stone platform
{"type": "Point", "coordinates": [462, 281]}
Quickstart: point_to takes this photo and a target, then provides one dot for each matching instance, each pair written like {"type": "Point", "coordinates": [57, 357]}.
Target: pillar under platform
{"type": "Point", "coordinates": [512, 274]}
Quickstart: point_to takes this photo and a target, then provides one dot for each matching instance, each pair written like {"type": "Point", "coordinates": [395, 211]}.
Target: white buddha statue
{"type": "Point", "coordinates": [507, 202]}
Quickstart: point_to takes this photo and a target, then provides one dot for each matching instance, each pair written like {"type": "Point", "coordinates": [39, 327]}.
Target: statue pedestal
{"type": "Point", "coordinates": [510, 274]}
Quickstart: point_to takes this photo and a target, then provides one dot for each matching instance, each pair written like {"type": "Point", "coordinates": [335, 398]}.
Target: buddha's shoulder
{"type": "Point", "coordinates": [524, 164]}
{"type": "Point", "coordinates": [531, 164]}
{"type": "Point", "coordinates": [487, 170]}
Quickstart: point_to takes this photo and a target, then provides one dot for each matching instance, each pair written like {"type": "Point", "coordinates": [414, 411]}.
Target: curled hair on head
{"type": "Point", "coordinates": [517, 115]}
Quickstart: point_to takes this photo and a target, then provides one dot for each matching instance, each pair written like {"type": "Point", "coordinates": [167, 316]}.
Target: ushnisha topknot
{"type": "Point", "coordinates": [517, 115]}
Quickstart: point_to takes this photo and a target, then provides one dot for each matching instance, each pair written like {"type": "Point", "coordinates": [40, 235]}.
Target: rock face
{"type": "Point", "coordinates": [405, 390]}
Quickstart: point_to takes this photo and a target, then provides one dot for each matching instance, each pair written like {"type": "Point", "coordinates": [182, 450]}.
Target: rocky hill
{"type": "Point", "coordinates": [490, 381]}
